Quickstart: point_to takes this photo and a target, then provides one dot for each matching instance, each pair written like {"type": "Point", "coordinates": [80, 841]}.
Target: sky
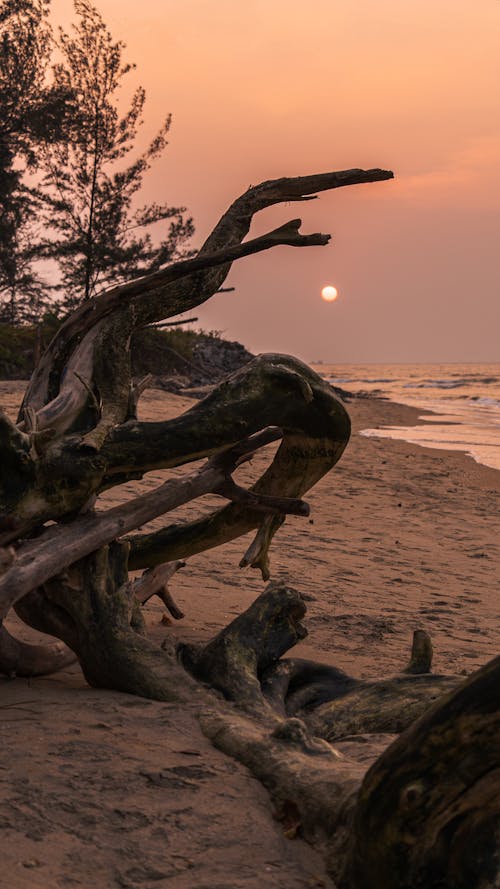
{"type": "Point", "coordinates": [260, 89]}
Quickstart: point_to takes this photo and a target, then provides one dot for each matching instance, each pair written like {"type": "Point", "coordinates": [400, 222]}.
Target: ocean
{"type": "Point", "coordinates": [464, 397]}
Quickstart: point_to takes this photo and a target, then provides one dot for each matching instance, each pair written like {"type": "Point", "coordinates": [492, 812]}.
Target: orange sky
{"type": "Point", "coordinates": [265, 88]}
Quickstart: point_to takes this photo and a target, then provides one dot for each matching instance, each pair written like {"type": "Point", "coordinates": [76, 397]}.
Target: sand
{"type": "Point", "coordinates": [107, 790]}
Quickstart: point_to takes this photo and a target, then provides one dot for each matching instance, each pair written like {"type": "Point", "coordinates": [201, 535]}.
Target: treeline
{"type": "Point", "coordinates": [162, 352]}
{"type": "Point", "coordinates": [69, 176]}
{"type": "Point", "coordinates": [177, 358]}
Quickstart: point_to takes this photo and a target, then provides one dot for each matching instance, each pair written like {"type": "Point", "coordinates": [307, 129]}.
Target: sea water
{"type": "Point", "coordinates": [464, 400]}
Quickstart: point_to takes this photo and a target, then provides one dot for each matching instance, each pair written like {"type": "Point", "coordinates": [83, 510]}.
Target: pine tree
{"type": "Point", "coordinates": [25, 110]}
{"type": "Point", "coordinates": [89, 184]}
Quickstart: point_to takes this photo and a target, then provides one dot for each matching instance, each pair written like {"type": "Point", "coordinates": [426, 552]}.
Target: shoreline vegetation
{"type": "Point", "coordinates": [178, 358]}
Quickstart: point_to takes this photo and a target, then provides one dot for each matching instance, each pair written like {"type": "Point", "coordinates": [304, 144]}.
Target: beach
{"type": "Point", "coordinates": [104, 789]}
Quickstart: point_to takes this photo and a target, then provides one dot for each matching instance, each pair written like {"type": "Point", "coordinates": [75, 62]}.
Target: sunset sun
{"type": "Point", "coordinates": [329, 293]}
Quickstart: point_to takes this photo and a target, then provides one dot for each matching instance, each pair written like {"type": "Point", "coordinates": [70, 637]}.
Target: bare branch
{"type": "Point", "coordinates": [161, 324]}
{"type": "Point", "coordinates": [155, 580]}
{"type": "Point", "coordinates": [172, 290]}
{"type": "Point", "coordinates": [261, 502]}
{"type": "Point", "coordinates": [62, 411]}
{"type": "Point", "coordinates": [135, 393]}
{"type": "Point", "coordinates": [257, 554]}
{"type": "Point", "coordinates": [40, 559]}
{"type": "Point", "coordinates": [60, 546]}
{"type": "Point", "coordinates": [168, 600]}
{"type": "Point", "coordinates": [254, 394]}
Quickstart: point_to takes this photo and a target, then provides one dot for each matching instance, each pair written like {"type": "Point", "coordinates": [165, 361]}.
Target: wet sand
{"type": "Point", "coordinates": [100, 788]}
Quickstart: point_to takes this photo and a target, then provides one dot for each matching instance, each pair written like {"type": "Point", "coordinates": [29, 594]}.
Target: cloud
{"type": "Point", "coordinates": [470, 177]}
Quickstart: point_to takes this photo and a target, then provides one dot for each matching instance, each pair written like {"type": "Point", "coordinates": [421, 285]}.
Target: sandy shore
{"type": "Point", "coordinates": [103, 789]}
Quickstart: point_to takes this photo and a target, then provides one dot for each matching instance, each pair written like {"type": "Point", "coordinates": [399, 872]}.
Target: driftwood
{"type": "Point", "coordinates": [77, 434]}
{"type": "Point", "coordinates": [426, 814]}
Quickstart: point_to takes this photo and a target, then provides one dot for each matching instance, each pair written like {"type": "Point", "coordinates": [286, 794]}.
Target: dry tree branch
{"type": "Point", "coordinates": [172, 290]}
{"type": "Point", "coordinates": [58, 547]}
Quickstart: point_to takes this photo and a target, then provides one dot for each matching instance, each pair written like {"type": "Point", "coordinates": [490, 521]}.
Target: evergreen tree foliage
{"type": "Point", "coordinates": [26, 110]}
{"type": "Point", "coordinates": [90, 184]}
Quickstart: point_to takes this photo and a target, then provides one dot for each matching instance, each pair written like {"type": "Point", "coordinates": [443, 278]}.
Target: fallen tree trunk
{"type": "Point", "coordinates": [427, 812]}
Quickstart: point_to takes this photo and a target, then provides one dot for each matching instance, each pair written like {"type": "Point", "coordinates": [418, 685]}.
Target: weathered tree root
{"type": "Point", "coordinates": [19, 658]}
{"type": "Point", "coordinates": [251, 397]}
{"type": "Point", "coordinates": [239, 654]}
{"type": "Point", "coordinates": [383, 706]}
{"type": "Point", "coordinates": [427, 813]}
{"type": "Point", "coordinates": [302, 774]}
{"type": "Point", "coordinates": [244, 662]}
{"type": "Point", "coordinates": [59, 546]}
{"type": "Point", "coordinates": [103, 625]}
